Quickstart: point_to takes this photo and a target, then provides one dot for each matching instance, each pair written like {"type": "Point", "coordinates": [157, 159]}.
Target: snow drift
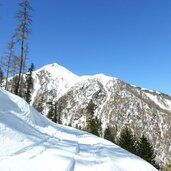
{"type": "Point", "coordinates": [29, 141]}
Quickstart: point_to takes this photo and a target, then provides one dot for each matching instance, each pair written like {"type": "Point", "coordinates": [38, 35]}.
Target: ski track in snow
{"type": "Point", "coordinates": [79, 150]}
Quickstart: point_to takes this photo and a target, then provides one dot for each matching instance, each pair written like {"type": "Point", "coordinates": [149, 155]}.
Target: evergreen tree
{"type": "Point", "coordinates": [39, 106]}
{"type": "Point", "coordinates": [58, 111]}
{"type": "Point", "coordinates": [145, 150]}
{"type": "Point", "coordinates": [1, 76]}
{"type": "Point", "coordinates": [127, 140]}
{"type": "Point", "coordinates": [110, 133]}
{"type": "Point", "coordinates": [55, 111]}
{"type": "Point", "coordinates": [51, 111]}
{"type": "Point", "coordinates": [93, 123]}
{"type": "Point", "coordinates": [22, 34]}
{"type": "Point", "coordinates": [29, 83]}
{"type": "Point", "coordinates": [90, 108]}
{"type": "Point", "coordinates": [54, 117]}
{"type": "Point", "coordinates": [94, 126]}
{"type": "Point", "coordinates": [14, 83]}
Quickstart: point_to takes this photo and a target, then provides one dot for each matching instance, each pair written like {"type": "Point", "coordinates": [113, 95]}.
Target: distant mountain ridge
{"type": "Point", "coordinates": [116, 103]}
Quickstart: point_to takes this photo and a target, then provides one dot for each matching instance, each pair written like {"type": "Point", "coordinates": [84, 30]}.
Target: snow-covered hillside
{"type": "Point", "coordinates": [29, 141]}
{"type": "Point", "coordinates": [116, 104]}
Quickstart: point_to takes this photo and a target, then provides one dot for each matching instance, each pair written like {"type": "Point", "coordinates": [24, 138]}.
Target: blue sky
{"type": "Point", "coordinates": [128, 39]}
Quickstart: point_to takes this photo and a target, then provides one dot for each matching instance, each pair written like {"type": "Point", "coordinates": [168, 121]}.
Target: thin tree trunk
{"type": "Point", "coordinates": [7, 74]}
{"type": "Point", "coordinates": [22, 33]}
{"type": "Point", "coordinates": [20, 69]}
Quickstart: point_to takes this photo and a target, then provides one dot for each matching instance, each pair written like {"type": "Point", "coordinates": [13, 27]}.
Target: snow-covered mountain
{"type": "Point", "coordinates": [52, 79]}
{"type": "Point", "coordinates": [115, 102]}
{"type": "Point", "coordinates": [29, 141]}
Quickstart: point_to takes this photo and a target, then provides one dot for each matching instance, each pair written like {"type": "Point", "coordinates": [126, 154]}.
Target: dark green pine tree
{"type": "Point", "coordinates": [1, 76]}
{"type": "Point", "coordinates": [54, 118]}
{"type": "Point", "coordinates": [110, 133]}
{"type": "Point", "coordinates": [29, 83]}
{"type": "Point", "coordinates": [40, 105]}
{"type": "Point", "coordinates": [14, 83]}
{"type": "Point", "coordinates": [145, 150]}
{"type": "Point", "coordinates": [127, 140]}
{"type": "Point", "coordinates": [58, 111]}
{"type": "Point", "coordinates": [50, 114]}
{"type": "Point", "coordinates": [93, 123]}
{"type": "Point", "coordinates": [94, 126]}
{"type": "Point", "coordinates": [90, 108]}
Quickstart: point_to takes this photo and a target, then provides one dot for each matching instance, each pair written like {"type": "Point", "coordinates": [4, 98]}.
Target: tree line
{"type": "Point", "coordinates": [141, 147]}
{"type": "Point", "coordinates": [13, 65]}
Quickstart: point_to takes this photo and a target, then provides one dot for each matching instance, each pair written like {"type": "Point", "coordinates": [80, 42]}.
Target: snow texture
{"type": "Point", "coordinates": [29, 141]}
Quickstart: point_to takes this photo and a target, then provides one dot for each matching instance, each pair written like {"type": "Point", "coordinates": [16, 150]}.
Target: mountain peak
{"type": "Point", "coordinates": [54, 67]}
{"type": "Point", "coordinates": [52, 79]}
{"type": "Point", "coordinates": [56, 71]}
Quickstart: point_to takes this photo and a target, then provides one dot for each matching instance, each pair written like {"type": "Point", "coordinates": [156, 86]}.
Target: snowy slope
{"type": "Point", "coordinates": [28, 141]}
{"type": "Point", "coordinates": [116, 104]}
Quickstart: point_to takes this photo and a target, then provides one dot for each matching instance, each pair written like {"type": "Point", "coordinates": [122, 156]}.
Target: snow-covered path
{"type": "Point", "coordinates": [29, 141]}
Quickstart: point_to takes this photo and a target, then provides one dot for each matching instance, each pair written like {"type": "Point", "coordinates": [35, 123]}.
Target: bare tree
{"type": "Point", "coordinates": [8, 61]}
{"type": "Point", "coordinates": [1, 70]}
{"type": "Point", "coordinates": [22, 35]}
{"type": "Point", "coordinates": [22, 82]}
{"type": "Point", "coordinates": [1, 62]}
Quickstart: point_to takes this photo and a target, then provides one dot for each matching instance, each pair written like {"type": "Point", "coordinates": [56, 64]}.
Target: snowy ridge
{"type": "Point", "coordinates": [56, 77]}
{"type": "Point", "coordinates": [100, 77]}
{"type": "Point", "coordinates": [29, 141]}
{"type": "Point", "coordinates": [163, 103]}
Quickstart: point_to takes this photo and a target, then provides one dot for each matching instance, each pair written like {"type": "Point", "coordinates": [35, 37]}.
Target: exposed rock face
{"type": "Point", "coordinates": [114, 102]}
